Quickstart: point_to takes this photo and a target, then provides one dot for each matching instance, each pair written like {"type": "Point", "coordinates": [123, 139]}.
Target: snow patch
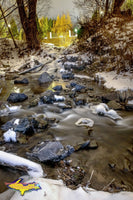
{"type": "Point", "coordinates": [103, 110]}
{"type": "Point", "coordinates": [118, 82]}
{"type": "Point", "coordinates": [33, 169]}
{"type": "Point", "coordinates": [53, 189]}
{"type": "Point", "coordinates": [59, 98]}
{"type": "Point", "coordinates": [10, 136]}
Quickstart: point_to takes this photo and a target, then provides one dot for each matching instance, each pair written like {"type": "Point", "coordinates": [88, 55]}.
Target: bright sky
{"type": "Point", "coordinates": [62, 6]}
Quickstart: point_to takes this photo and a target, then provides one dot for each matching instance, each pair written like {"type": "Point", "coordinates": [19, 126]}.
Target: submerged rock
{"type": "Point", "coordinates": [17, 97]}
{"type": "Point", "coordinates": [45, 78]}
{"type": "Point", "coordinates": [51, 152]}
{"type": "Point", "coordinates": [23, 81]}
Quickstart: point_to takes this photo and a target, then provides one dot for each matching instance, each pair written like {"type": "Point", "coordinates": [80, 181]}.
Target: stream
{"type": "Point", "coordinates": [112, 160]}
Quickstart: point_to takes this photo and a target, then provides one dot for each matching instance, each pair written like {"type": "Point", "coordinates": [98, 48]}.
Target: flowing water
{"type": "Point", "coordinates": [114, 138]}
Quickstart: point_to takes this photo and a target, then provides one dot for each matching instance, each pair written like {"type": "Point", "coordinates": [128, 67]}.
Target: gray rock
{"type": "Point", "coordinates": [110, 97]}
{"type": "Point", "coordinates": [79, 88]}
{"type": "Point", "coordinates": [23, 81]}
{"type": "Point", "coordinates": [68, 75]}
{"type": "Point", "coordinates": [57, 88]}
{"type": "Point", "coordinates": [45, 78]}
{"type": "Point", "coordinates": [48, 97]}
{"type": "Point", "coordinates": [51, 152]}
{"type": "Point", "coordinates": [17, 97]}
{"type": "Point", "coordinates": [26, 127]}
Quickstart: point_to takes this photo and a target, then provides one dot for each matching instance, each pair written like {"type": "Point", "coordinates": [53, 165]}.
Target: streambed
{"type": "Point", "coordinates": [112, 160]}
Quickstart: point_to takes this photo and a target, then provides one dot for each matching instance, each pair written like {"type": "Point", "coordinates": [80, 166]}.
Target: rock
{"type": "Point", "coordinates": [34, 103]}
{"type": "Point", "coordinates": [23, 81]}
{"type": "Point", "coordinates": [81, 146]}
{"type": "Point", "coordinates": [72, 57]}
{"type": "Point", "coordinates": [26, 126]}
{"type": "Point", "coordinates": [68, 75]}
{"type": "Point", "coordinates": [70, 65]}
{"type": "Point", "coordinates": [79, 88]}
{"type": "Point", "coordinates": [114, 105]}
{"type": "Point", "coordinates": [17, 97]}
{"type": "Point", "coordinates": [51, 152]}
{"type": "Point", "coordinates": [73, 84]}
{"type": "Point", "coordinates": [8, 125]}
{"type": "Point", "coordinates": [63, 105]}
{"type": "Point", "coordinates": [110, 97]}
{"type": "Point", "coordinates": [45, 78]}
{"type": "Point", "coordinates": [85, 122]}
{"type": "Point", "coordinates": [48, 97]}
{"type": "Point", "coordinates": [93, 144]}
{"type": "Point", "coordinates": [129, 105]}
{"type": "Point", "coordinates": [57, 88]}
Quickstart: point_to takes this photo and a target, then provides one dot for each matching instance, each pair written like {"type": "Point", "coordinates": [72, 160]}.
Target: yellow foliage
{"type": "Point", "coordinates": [62, 25]}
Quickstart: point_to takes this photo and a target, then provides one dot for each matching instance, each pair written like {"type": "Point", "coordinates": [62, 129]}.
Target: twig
{"type": "Point", "coordinates": [105, 187]}
{"type": "Point", "coordinates": [89, 182]}
{"type": "Point", "coordinates": [37, 66]}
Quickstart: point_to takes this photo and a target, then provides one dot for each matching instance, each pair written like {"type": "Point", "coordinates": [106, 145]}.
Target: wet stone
{"type": "Point", "coordinates": [26, 127]}
{"type": "Point", "coordinates": [68, 75]}
{"type": "Point", "coordinates": [52, 151]}
{"type": "Point", "coordinates": [48, 97]}
{"type": "Point", "coordinates": [23, 81]}
{"type": "Point", "coordinates": [93, 144]}
{"type": "Point", "coordinates": [45, 78]}
{"type": "Point", "coordinates": [17, 97]}
{"type": "Point", "coordinates": [57, 88]}
{"type": "Point", "coordinates": [79, 88]}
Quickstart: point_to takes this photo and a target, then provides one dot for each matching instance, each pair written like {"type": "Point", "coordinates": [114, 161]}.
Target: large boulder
{"type": "Point", "coordinates": [45, 78]}
{"type": "Point", "coordinates": [17, 97]}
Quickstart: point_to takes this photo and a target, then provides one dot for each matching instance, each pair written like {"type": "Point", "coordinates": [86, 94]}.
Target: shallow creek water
{"type": "Point", "coordinates": [115, 139]}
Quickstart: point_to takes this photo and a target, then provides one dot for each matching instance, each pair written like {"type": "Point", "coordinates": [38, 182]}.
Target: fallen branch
{"type": "Point", "coordinates": [106, 187]}
{"type": "Point", "coordinates": [32, 69]}
{"type": "Point", "coordinates": [89, 182]}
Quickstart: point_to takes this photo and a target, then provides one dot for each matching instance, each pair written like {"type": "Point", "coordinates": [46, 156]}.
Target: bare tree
{"type": "Point", "coordinates": [117, 6]}
{"type": "Point", "coordinates": [27, 12]}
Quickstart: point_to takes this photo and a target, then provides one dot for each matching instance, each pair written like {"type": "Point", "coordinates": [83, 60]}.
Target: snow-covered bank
{"type": "Point", "coordinates": [33, 169]}
{"type": "Point", "coordinates": [121, 82]}
{"type": "Point", "coordinates": [56, 190]}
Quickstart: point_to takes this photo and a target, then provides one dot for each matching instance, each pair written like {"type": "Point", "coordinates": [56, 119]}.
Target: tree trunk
{"type": "Point", "coordinates": [106, 7]}
{"type": "Point", "coordinates": [28, 21]}
{"type": "Point", "coordinates": [117, 5]}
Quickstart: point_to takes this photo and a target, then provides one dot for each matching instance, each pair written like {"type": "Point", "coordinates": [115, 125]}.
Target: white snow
{"type": "Point", "coordinates": [33, 169]}
{"type": "Point", "coordinates": [10, 136]}
{"type": "Point", "coordinates": [59, 98]}
{"type": "Point", "coordinates": [85, 122]}
{"type": "Point", "coordinates": [13, 108]}
{"type": "Point", "coordinates": [112, 114]}
{"type": "Point", "coordinates": [118, 82]}
{"type": "Point", "coordinates": [130, 102]}
{"type": "Point", "coordinates": [16, 122]}
{"type": "Point", "coordinates": [103, 110]}
{"type": "Point", "coordinates": [56, 190]}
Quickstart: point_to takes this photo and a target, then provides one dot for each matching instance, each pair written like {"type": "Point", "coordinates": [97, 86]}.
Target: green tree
{"type": "Point", "coordinates": [14, 28]}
